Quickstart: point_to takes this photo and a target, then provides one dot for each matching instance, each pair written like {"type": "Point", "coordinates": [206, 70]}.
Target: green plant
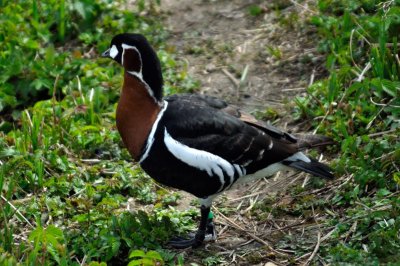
{"type": "Point", "coordinates": [46, 49]}
{"type": "Point", "coordinates": [48, 240]}
{"type": "Point", "coordinates": [149, 258]}
{"type": "Point", "coordinates": [274, 52]}
{"type": "Point", "coordinates": [255, 10]}
{"type": "Point", "coordinates": [213, 260]}
{"type": "Point", "coordinates": [357, 104]}
{"type": "Point", "coordinates": [65, 179]}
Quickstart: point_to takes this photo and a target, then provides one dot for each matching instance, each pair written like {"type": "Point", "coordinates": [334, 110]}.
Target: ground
{"type": "Point", "coordinates": [258, 62]}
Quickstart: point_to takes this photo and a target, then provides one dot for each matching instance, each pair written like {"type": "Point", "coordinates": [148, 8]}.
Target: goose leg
{"type": "Point", "coordinates": [206, 227]}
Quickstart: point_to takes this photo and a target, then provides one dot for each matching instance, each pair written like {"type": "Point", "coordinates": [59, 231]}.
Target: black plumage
{"type": "Point", "coordinates": [198, 143]}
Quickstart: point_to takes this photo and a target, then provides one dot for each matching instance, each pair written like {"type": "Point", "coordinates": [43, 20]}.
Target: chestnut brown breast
{"type": "Point", "coordinates": [136, 113]}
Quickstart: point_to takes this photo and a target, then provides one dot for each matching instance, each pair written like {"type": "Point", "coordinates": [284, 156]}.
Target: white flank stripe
{"type": "Point", "coordinates": [265, 172]}
{"type": "Point", "coordinates": [273, 168]}
{"type": "Point", "coordinates": [298, 156]}
{"type": "Point", "coordinates": [260, 155]}
{"type": "Point", "coordinates": [271, 145]}
{"type": "Point", "coordinates": [150, 138]}
{"type": "Point", "coordinates": [239, 170]}
{"type": "Point", "coordinates": [202, 160]}
{"type": "Point", "coordinates": [246, 163]}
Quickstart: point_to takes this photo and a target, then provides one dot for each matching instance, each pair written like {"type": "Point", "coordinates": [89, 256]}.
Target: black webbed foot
{"type": "Point", "coordinates": [206, 232]}
{"type": "Point", "coordinates": [194, 242]}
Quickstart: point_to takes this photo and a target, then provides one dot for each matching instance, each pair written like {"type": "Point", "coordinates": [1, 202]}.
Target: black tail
{"type": "Point", "coordinates": [312, 141]}
{"type": "Point", "coordinates": [314, 167]}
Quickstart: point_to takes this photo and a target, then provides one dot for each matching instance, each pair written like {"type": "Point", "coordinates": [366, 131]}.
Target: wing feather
{"type": "Point", "coordinates": [222, 134]}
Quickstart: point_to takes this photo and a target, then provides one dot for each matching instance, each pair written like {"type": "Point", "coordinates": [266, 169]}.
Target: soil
{"type": "Point", "coordinates": [219, 39]}
{"type": "Point", "coordinates": [259, 62]}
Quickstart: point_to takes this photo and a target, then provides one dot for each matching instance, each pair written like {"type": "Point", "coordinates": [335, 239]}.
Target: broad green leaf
{"type": "Point", "coordinates": [154, 255]}
{"type": "Point", "coordinates": [36, 234]}
{"type": "Point", "coordinates": [135, 262]}
{"type": "Point", "coordinates": [396, 177]}
{"type": "Point", "coordinates": [137, 253]}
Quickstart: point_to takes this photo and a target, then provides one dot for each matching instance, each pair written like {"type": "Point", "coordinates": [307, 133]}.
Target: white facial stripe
{"type": "Point", "coordinates": [139, 74]}
{"type": "Point", "coordinates": [113, 51]}
{"type": "Point", "coordinates": [202, 160]}
{"type": "Point", "coordinates": [150, 138]}
{"type": "Point", "coordinates": [126, 47]}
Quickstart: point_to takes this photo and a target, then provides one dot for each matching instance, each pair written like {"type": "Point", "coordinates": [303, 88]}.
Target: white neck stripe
{"type": "Point", "coordinates": [149, 90]}
{"type": "Point", "coordinates": [139, 75]}
{"type": "Point", "coordinates": [150, 138]}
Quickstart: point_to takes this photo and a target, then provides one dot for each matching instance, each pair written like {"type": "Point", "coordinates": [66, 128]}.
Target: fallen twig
{"type": "Point", "coordinates": [315, 249]}
{"type": "Point", "coordinates": [248, 233]}
{"type": "Point", "coordinates": [303, 7]}
{"type": "Point", "coordinates": [377, 134]}
{"type": "Point", "coordinates": [15, 209]}
{"type": "Point", "coordinates": [231, 77]}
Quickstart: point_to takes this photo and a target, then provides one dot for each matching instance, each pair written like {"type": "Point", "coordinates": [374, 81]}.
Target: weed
{"type": "Point", "coordinates": [64, 179]}
{"type": "Point", "coordinates": [274, 52]}
{"type": "Point", "coordinates": [149, 258]}
{"type": "Point", "coordinates": [255, 10]}
{"type": "Point", "coordinates": [358, 106]}
{"type": "Point", "coordinates": [267, 114]}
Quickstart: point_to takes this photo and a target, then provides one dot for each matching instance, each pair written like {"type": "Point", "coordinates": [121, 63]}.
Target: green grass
{"type": "Point", "coordinates": [64, 178]}
{"type": "Point", "coordinates": [359, 106]}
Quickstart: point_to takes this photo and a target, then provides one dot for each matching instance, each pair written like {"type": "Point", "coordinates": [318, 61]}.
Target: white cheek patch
{"type": "Point", "coordinates": [113, 51]}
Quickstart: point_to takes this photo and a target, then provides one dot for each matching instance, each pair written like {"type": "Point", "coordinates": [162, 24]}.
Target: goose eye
{"type": "Point", "coordinates": [113, 51]}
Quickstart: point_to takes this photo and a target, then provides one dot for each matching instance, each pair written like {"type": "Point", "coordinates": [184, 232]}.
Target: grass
{"type": "Point", "coordinates": [66, 181]}
{"type": "Point", "coordinates": [358, 105]}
